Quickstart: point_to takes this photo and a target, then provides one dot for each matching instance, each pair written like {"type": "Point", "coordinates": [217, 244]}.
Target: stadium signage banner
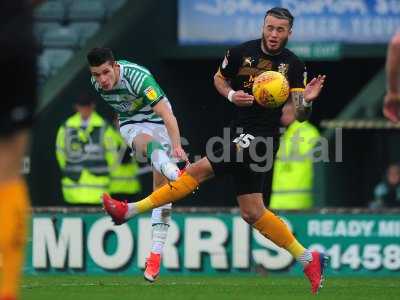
{"type": "Point", "coordinates": [316, 21]}
{"type": "Point", "coordinates": [211, 244]}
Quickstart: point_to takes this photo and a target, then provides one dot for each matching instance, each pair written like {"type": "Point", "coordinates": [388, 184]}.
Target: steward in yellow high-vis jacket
{"type": "Point", "coordinates": [292, 183]}
{"type": "Point", "coordinates": [88, 153]}
{"type": "Point", "coordinates": [123, 181]}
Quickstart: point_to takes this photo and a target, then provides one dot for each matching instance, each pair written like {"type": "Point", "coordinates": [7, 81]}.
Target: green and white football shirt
{"type": "Point", "coordinates": [134, 95]}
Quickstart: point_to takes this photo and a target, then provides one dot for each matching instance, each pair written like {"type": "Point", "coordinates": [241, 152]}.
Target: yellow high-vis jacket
{"type": "Point", "coordinates": [292, 182]}
{"type": "Point", "coordinates": [88, 154]}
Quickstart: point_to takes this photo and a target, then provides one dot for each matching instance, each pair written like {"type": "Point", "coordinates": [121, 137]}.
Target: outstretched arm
{"type": "Point", "coordinates": [303, 98]}
{"type": "Point", "coordinates": [391, 106]}
{"type": "Point", "coordinates": [302, 112]}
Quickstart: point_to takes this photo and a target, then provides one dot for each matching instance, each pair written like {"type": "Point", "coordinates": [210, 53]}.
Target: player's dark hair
{"type": "Point", "coordinates": [280, 13]}
{"type": "Point", "coordinates": [99, 56]}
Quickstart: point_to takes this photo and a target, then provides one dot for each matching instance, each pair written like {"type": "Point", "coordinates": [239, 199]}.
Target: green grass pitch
{"type": "Point", "coordinates": [73, 287]}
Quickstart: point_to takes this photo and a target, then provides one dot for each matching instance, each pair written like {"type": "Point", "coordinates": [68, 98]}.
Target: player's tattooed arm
{"type": "Point", "coordinates": [302, 112]}
{"type": "Point", "coordinates": [303, 98]}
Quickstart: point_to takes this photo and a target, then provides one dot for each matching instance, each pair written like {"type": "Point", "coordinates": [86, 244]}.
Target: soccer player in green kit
{"type": "Point", "coordinates": [148, 126]}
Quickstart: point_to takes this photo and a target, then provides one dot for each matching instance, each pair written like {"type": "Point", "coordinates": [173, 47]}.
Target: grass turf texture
{"type": "Point", "coordinates": [66, 287]}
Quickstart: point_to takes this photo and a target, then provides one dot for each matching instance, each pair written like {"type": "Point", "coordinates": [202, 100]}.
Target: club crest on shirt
{"type": "Point", "coordinates": [151, 93]}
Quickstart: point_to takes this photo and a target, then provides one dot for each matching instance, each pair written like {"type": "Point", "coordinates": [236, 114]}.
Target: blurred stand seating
{"type": "Point", "coordinates": [64, 26]}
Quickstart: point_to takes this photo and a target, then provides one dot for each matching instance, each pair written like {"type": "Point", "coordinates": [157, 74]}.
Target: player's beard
{"type": "Point", "coordinates": [277, 51]}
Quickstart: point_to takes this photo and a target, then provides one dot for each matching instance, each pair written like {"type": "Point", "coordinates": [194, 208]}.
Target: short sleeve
{"type": "Point", "coordinates": [231, 63]}
{"type": "Point", "coordinates": [151, 91]}
{"type": "Point", "coordinates": [297, 75]}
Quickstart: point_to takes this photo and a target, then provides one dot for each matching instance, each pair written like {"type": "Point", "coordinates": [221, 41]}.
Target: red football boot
{"type": "Point", "coordinates": [314, 271]}
{"type": "Point", "coordinates": [152, 270]}
{"type": "Point", "coordinates": [116, 209]}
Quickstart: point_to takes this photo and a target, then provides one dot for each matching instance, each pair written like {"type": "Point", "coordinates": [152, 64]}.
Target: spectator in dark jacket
{"type": "Point", "coordinates": [387, 192]}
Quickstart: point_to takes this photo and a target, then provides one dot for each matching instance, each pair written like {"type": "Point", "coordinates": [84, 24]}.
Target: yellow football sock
{"type": "Point", "coordinates": [14, 211]}
{"type": "Point", "coordinates": [274, 229]}
{"type": "Point", "coordinates": [168, 193]}
{"type": "Point", "coordinates": [296, 249]}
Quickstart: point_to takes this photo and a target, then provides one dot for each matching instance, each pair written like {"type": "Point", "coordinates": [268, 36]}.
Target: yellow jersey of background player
{"type": "Point", "coordinates": [18, 56]}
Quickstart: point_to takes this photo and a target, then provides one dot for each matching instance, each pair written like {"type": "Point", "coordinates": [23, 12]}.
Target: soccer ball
{"type": "Point", "coordinates": [271, 89]}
